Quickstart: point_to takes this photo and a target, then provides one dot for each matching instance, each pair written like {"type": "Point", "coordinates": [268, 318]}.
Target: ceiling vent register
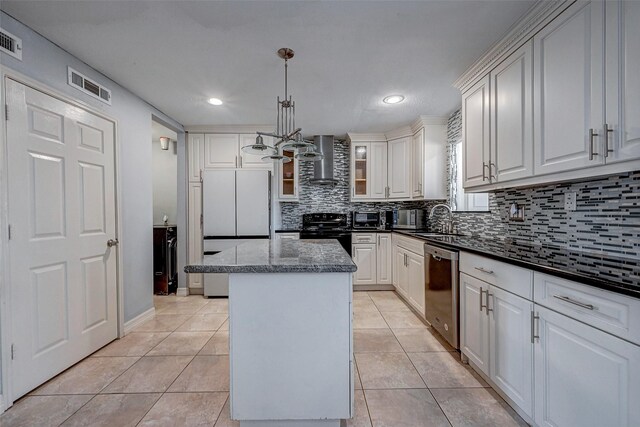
{"type": "Point", "coordinates": [89, 87]}
{"type": "Point", "coordinates": [10, 44]}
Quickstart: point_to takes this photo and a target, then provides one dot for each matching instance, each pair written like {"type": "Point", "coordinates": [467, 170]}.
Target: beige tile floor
{"type": "Point", "coordinates": [173, 370]}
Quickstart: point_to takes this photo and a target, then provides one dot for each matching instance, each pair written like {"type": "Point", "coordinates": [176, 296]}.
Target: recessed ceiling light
{"type": "Point", "coordinates": [393, 99]}
{"type": "Point", "coordinates": [215, 101]}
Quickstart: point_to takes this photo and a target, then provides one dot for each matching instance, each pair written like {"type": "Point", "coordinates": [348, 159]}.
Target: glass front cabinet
{"type": "Point", "coordinates": [288, 179]}
{"type": "Point", "coordinates": [368, 170]}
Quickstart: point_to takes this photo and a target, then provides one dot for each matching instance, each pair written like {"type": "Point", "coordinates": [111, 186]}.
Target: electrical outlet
{"type": "Point", "coordinates": [570, 203]}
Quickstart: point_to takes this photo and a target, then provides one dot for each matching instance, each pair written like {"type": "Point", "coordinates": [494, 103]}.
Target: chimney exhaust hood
{"type": "Point", "coordinates": [323, 169]}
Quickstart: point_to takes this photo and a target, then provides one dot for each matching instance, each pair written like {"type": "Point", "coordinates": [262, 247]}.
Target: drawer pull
{"type": "Point", "coordinates": [535, 327]}
{"type": "Point", "coordinates": [574, 302]}
{"type": "Point", "coordinates": [483, 270]}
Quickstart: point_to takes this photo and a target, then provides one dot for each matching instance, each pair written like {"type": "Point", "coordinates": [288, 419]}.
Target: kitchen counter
{"type": "Point", "coordinates": [616, 274]}
{"type": "Point", "coordinates": [278, 256]}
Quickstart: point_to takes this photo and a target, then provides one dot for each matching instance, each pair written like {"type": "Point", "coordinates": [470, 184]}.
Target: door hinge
{"type": "Point", "coordinates": [13, 351]}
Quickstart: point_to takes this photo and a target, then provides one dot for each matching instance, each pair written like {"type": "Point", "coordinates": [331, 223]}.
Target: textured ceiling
{"type": "Point", "coordinates": [349, 54]}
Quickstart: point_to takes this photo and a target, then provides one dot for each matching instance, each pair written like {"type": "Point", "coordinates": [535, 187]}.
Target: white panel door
{"type": "Point", "coordinates": [252, 203]}
{"type": "Point", "coordinates": [569, 90]}
{"type": "Point", "coordinates": [475, 134]}
{"type": "Point", "coordinates": [219, 203]}
{"type": "Point", "coordinates": [399, 172]}
{"type": "Point", "coordinates": [415, 274]}
{"type": "Point", "coordinates": [623, 80]}
{"type": "Point", "coordinates": [417, 164]}
{"type": "Point", "coordinates": [400, 273]}
{"type": "Point", "coordinates": [63, 281]}
{"type": "Point", "coordinates": [195, 153]}
{"type": "Point", "coordinates": [195, 231]}
{"type": "Point", "coordinates": [377, 170]}
{"type": "Point", "coordinates": [584, 377]}
{"type": "Point", "coordinates": [384, 259]}
{"type": "Point", "coordinates": [511, 347]}
{"type": "Point", "coordinates": [221, 151]}
{"type": "Point", "coordinates": [512, 116]}
{"type": "Point", "coordinates": [474, 322]}
{"type": "Point", "coordinates": [252, 161]}
{"type": "Point", "coordinates": [364, 256]}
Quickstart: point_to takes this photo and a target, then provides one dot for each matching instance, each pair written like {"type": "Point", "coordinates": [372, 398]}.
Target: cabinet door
{"type": "Point", "coordinates": [399, 164]}
{"type": "Point", "coordinates": [511, 349]}
{"type": "Point", "coordinates": [474, 322]}
{"type": "Point", "coordinates": [288, 176]}
{"type": "Point", "coordinates": [569, 90]}
{"type": "Point", "coordinates": [400, 271]}
{"type": "Point", "coordinates": [417, 165]}
{"type": "Point", "coordinates": [584, 377]}
{"type": "Point", "coordinates": [415, 273]}
{"type": "Point", "coordinates": [384, 259]}
{"type": "Point", "coordinates": [378, 170]}
{"type": "Point", "coordinates": [623, 80]}
{"type": "Point", "coordinates": [195, 153]}
{"type": "Point", "coordinates": [221, 151]}
{"type": "Point", "coordinates": [364, 256]}
{"type": "Point", "coordinates": [475, 134]}
{"type": "Point", "coordinates": [253, 161]}
{"type": "Point", "coordinates": [195, 231]}
{"type": "Point", "coordinates": [360, 169]}
{"type": "Point", "coordinates": [512, 116]}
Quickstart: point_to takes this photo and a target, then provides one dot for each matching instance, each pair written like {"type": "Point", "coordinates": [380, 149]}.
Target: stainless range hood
{"type": "Point", "coordinates": [323, 169]}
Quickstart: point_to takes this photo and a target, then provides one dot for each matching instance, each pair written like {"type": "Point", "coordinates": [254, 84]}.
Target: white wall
{"type": "Point", "coordinates": [47, 63]}
{"type": "Point", "coordinates": [165, 182]}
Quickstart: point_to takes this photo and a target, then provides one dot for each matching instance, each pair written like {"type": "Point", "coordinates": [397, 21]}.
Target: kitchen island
{"type": "Point", "coordinates": [290, 331]}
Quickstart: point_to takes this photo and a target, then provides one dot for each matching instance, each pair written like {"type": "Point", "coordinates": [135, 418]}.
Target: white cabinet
{"type": "Point", "coordinates": [400, 273]}
{"type": "Point", "coordinates": [511, 130]}
{"type": "Point", "coordinates": [399, 168]}
{"type": "Point", "coordinates": [584, 377]}
{"type": "Point", "coordinates": [569, 90]}
{"type": "Point", "coordinates": [510, 346]}
{"type": "Point", "coordinates": [252, 161]}
{"type": "Point", "coordinates": [408, 271]}
{"type": "Point", "coordinates": [195, 156]}
{"type": "Point", "coordinates": [417, 165]}
{"type": "Point", "coordinates": [622, 81]}
{"type": "Point", "coordinates": [368, 170]}
{"type": "Point", "coordinates": [475, 134]}
{"type": "Point", "coordinates": [288, 178]}
{"type": "Point", "coordinates": [194, 237]}
{"type": "Point", "coordinates": [221, 151]}
{"type": "Point", "coordinates": [372, 254]}
{"type": "Point", "coordinates": [415, 274]}
{"type": "Point", "coordinates": [474, 323]}
{"type": "Point", "coordinates": [364, 256]}
{"type": "Point", "coordinates": [429, 162]}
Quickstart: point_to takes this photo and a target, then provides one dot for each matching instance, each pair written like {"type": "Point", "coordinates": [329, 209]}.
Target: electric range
{"type": "Point", "coordinates": [327, 226]}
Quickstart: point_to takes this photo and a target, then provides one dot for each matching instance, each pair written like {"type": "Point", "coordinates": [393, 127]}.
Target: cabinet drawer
{"type": "Point", "coordinates": [514, 279]}
{"type": "Point", "coordinates": [614, 313]}
{"type": "Point", "coordinates": [414, 245]}
{"type": "Point", "coordinates": [363, 237]}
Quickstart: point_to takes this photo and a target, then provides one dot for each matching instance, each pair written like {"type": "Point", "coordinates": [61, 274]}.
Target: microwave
{"type": "Point", "coordinates": [410, 219]}
{"type": "Point", "coordinates": [366, 220]}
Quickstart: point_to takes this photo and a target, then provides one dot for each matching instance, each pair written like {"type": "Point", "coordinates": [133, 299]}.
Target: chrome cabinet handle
{"type": "Point", "coordinates": [592, 133]}
{"type": "Point", "coordinates": [483, 270]}
{"type": "Point", "coordinates": [112, 242]}
{"type": "Point", "coordinates": [574, 302]}
{"type": "Point", "coordinates": [482, 305]}
{"type": "Point", "coordinates": [607, 150]}
{"type": "Point", "coordinates": [484, 176]}
{"type": "Point", "coordinates": [535, 327]}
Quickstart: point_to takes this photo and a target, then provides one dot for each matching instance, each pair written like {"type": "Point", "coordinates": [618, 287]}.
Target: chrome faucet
{"type": "Point", "coordinates": [447, 227]}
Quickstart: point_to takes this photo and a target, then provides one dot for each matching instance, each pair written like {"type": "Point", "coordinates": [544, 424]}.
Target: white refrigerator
{"type": "Point", "coordinates": [235, 209]}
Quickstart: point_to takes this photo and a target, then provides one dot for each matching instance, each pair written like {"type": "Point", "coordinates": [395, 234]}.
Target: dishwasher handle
{"type": "Point", "coordinates": [439, 253]}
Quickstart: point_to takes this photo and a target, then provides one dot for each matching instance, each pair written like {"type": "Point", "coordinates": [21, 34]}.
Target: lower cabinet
{"type": "Point", "coordinates": [408, 276]}
{"type": "Point", "coordinates": [474, 322]}
{"type": "Point", "coordinates": [371, 252]}
{"type": "Point", "coordinates": [584, 377]}
{"type": "Point", "coordinates": [400, 273]}
{"type": "Point", "coordinates": [364, 256]}
{"type": "Point", "coordinates": [384, 259]}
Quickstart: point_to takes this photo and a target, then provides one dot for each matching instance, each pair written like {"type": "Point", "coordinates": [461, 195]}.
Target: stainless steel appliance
{"type": "Point", "coordinates": [366, 220]}
{"type": "Point", "coordinates": [410, 219]}
{"type": "Point", "coordinates": [441, 291]}
{"type": "Point", "coordinates": [235, 207]}
{"type": "Point", "coordinates": [327, 226]}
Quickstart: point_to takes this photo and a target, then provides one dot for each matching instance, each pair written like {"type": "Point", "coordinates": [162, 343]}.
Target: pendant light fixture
{"type": "Point", "coordinates": [164, 142]}
{"type": "Point", "coordinates": [289, 137]}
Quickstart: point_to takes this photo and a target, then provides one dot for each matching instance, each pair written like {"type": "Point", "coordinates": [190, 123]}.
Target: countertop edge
{"type": "Point", "coordinates": [270, 269]}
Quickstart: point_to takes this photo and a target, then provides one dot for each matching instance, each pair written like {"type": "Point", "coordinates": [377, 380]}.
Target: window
{"type": "Point", "coordinates": [459, 200]}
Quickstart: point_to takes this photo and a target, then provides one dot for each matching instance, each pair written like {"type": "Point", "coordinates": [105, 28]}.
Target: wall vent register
{"type": "Point", "coordinates": [88, 86]}
{"type": "Point", "coordinates": [10, 44]}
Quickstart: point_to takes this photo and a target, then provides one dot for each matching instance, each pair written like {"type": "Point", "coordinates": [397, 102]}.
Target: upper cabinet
{"type": "Point", "coordinates": [562, 104]}
{"type": "Point", "coordinates": [428, 156]}
{"type": "Point", "coordinates": [221, 151]}
{"type": "Point", "coordinates": [368, 170]}
{"type": "Point", "coordinates": [287, 175]}
{"type": "Point", "coordinates": [399, 168]}
{"type": "Point", "coordinates": [195, 156]}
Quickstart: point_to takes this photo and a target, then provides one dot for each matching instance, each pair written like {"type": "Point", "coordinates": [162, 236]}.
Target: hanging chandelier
{"type": "Point", "coordinates": [287, 136]}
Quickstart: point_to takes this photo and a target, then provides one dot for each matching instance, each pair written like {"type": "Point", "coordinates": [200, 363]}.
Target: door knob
{"type": "Point", "coordinates": [112, 242]}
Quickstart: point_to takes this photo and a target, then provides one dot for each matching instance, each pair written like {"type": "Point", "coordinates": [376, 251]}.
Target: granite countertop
{"type": "Point", "coordinates": [278, 256]}
{"type": "Point", "coordinates": [605, 271]}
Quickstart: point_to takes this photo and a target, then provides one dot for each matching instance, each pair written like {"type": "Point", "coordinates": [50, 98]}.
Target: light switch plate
{"type": "Point", "coordinates": [570, 203]}
{"type": "Point", "coordinates": [516, 212]}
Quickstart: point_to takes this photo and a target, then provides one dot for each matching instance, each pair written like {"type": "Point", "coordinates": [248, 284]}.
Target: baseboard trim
{"type": "Point", "coordinates": [140, 318]}
{"type": "Point", "coordinates": [196, 291]}
{"type": "Point", "coordinates": [182, 292]}
{"type": "Point", "coordinates": [374, 288]}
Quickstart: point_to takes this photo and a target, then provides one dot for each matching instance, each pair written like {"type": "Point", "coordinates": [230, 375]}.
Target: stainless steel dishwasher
{"type": "Point", "coordinates": [441, 291]}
